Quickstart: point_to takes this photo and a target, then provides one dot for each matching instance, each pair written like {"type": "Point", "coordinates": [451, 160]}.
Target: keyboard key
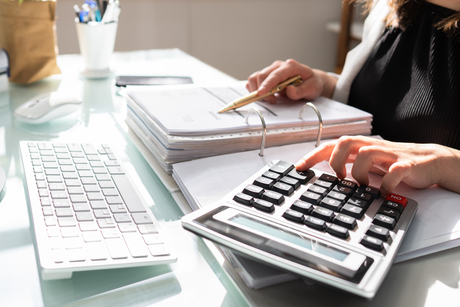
{"type": "Point", "coordinates": [384, 221]}
{"type": "Point", "coordinates": [282, 167]}
{"type": "Point", "coordinates": [363, 195]}
{"type": "Point", "coordinates": [311, 197]}
{"type": "Point", "coordinates": [117, 248]}
{"type": "Point", "coordinates": [325, 184]}
{"type": "Point", "coordinates": [273, 197]}
{"type": "Point", "coordinates": [136, 245]}
{"type": "Point", "coordinates": [353, 211]}
{"type": "Point", "coordinates": [338, 231]}
{"type": "Point", "coordinates": [294, 216]}
{"type": "Point", "coordinates": [348, 183]}
{"type": "Point", "coordinates": [141, 218]}
{"type": "Point", "coordinates": [283, 188]}
{"type": "Point", "coordinates": [330, 178]}
{"type": "Point", "coordinates": [291, 181]}
{"type": "Point", "coordinates": [331, 204]}
{"type": "Point", "coordinates": [264, 182]}
{"type": "Point", "coordinates": [263, 205]}
{"type": "Point", "coordinates": [254, 191]}
{"type": "Point", "coordinates": [317, 189]}
{"type": "Point", "coordinates": [372, 243]}
{"type": "Point", "coordinates": [358, 202]}
{"type": "Point", "coordinates": [272, 175]}
{"type": "Point", "coordinates": [315, 223]}
{"type": "Point", "coordinates": [132, 200]}
{"type": "Point", "coordinates": [323, 213]}
{"type": "Point", "coordinates": [370, 190]}
{"type": "Point", "coordinates": [302, 206]}
{"type": "Point", "coordinates": [378, 232]}
{"type": "Point", "coordinates": [302, 176]}
{"type": "Point", "coordinates": [345, 221]}
{"type": "Point", "coordinates": [243, 199]}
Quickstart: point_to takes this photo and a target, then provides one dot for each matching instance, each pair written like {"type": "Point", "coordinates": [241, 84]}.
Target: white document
{"type": "Point", "coordinates": [192, 110]}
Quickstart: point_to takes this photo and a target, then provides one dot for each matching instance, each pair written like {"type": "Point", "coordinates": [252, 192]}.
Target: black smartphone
{"type": "Point", "coordinates": [123, 81]}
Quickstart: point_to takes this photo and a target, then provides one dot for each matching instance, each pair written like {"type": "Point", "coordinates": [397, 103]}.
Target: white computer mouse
{"type": "Point", "coordinates": [46, 107]}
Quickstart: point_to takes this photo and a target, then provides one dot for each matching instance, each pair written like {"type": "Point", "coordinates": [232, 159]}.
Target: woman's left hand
{"type": "Point", "coordinates": [418, 165]}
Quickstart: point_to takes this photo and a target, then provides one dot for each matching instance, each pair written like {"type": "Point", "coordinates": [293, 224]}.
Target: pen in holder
{"type": "Point", "coordinates": [96, 41]}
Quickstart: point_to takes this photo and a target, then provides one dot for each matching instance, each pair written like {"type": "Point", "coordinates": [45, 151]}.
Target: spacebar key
{"type": "Point", "coordinates": [129, 195]}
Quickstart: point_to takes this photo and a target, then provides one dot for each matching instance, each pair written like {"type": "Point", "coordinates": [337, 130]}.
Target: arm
{"type": "Point", "coordinates": [315, 82]}
{"type": "Point", "coordinates": [418, 165]}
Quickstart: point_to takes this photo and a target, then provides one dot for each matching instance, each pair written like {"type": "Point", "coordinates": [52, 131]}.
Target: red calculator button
{"type": "Point", "coordinates": [397, 199]}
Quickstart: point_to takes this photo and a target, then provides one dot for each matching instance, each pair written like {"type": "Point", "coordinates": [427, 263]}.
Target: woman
{"type": "Point", "coordinates": [406, 72]}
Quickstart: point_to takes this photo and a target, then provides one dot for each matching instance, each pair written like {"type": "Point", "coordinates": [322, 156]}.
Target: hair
{"type": "Point", "coordinates": [403, 13]}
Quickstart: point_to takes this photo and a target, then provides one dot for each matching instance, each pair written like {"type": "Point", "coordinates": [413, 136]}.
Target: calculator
{"type": "Point", "coordinates": [312, 224]}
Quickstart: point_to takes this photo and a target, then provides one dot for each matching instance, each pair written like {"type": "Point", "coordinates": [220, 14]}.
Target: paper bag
{"type": "Point", "coordinates": [28, 33]}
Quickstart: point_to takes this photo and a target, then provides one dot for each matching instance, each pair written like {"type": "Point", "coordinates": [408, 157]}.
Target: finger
{"type": "Point", "coordinates": [397, 172]}
{"type": "Point", "coordinates": [346, 146]}
{"type": "Point", "coordinates": [252, 84]}
{"type": "Point", "coordinates": [316, 156]}
{"type": "Point", "coordinates": [308, 89]}
{"type": "Point", "coordinates": [366, 158]}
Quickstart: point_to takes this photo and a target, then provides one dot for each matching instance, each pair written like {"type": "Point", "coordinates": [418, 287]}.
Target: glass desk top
{"type": "Point", "coordinates": [200, 277]}
{"type": "Point", "coordinates": [196, 279]}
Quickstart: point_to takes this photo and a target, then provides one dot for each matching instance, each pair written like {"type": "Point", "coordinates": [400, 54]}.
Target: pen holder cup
{"type": "Point", "coordinates": [96, 41]}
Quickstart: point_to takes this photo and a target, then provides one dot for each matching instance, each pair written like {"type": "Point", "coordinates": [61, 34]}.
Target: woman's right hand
{"type": "Point", "coordinates": [314, 82]}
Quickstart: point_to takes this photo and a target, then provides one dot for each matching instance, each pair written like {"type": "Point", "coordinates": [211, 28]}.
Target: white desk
{"type": "Point", "coordinates": [198, 278]}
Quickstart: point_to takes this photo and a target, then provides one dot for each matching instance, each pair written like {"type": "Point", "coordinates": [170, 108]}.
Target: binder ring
{"type": "Point", "coordinates": [264, 129]}
{"type": "Point", "coordinates": [320, 120]}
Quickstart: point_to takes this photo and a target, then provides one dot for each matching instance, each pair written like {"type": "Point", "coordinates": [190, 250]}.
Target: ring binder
{"type": "Point", "coordinates": [320, 120]}
{"type": "Point", "coordinates": [264, 129]}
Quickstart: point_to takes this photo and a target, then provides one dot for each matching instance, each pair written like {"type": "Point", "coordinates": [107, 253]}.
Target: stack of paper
{"type": "Point", "coordinates": [180, 123]}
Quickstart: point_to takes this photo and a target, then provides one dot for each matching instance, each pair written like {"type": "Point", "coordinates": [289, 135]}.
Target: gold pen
{"type": "Point", "coordinates": [296, 80]}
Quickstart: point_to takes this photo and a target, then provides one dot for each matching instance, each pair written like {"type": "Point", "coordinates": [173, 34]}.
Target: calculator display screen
{"type": "Point", "coordinates": [290, 237]}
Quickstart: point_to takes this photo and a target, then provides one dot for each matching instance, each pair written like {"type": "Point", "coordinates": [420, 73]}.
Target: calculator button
{"type": "Point", "coordinates": [291, 181]}
{"type": "Point", "coordinates": [372, 243]}
{"type": "Point", "coordinates": [389, 212]}
{"type": "Point", "coordinates": [254, 191]}
{"type": "Point", "coordinates": [264, 182]}
{"type": "Point", "coordinates": [358, 202]}
{"type": "Point", "coordinates": [384, 221]}
{"type": "Point", "coordinates": [294, 216]}
{"type": "Point", "coordinates": [263, 205]}
{"type": "Point", "coordinates": [343, 190]}
{"type": "Point", "coordinates": [363, 195]}
{"type": "Point", "coordinates": [271, 175]}
{"type": "Point", "coordinates": [325, 184]}
{"type": "Point", "coordinates": [329, 178]}
{"type": "Point", "coordinates": [345, 221]}
{"type": "Point", "coordinates": [323, 213]}
{"type": "Point", "coordinates": [378, 232]}
{"type": "Point", "coordinates": [283, 188]}
{"type": "Point", "coordinates": [393, 205]}
{"type": "Point", "coordinates": [302, 176]}
{"type": "Point", "coordinates": [311, 197]}
{"type": "Point", "coordinates": [353, 211]}
{"type": "Point", "coordinates": [398, 199]}
{"type": "Point", "coordinates": [338, 231]}
{"type": "Point", "coordinates": [302, 206]}
{"type": "Point", "coordinates": [282, 167]}
{"type": "Point", "coordinates": [370, 190]}
{"type": "Point", "coordinates": [331, 204]}
{"type": "Point", "coordinates": [348, 184]}
{"type": "Point", "coordinates": [243, 199]}
{"type": "Point", "coordinates": [273, 197]}
{"type": "Point", "coordinates": [315, 223]}
{"type": "Point", "coordinates": [317, 189]}
{"type": "Point", "coordinates": [339, 196]}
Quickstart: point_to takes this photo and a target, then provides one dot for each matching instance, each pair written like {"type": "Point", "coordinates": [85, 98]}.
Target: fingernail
{"type": "Point", "coordinates": [383, 192]}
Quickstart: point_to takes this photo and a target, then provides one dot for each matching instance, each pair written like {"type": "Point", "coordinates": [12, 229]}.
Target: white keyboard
{"type": "Point", "coordinates": [87, 215]}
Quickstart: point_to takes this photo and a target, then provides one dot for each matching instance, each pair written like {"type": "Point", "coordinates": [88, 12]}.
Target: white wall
{"type": "Point", "coordinates": [235, 36]}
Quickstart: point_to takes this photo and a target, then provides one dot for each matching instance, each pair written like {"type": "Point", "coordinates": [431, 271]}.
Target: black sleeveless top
{"type": "Point", "coordinates": [411, 82]}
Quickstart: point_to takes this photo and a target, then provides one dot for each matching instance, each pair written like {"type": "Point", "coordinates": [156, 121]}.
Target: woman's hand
{"type": "Point", "coordinates": [418, 165]}
{"type": "Point", "coordinates": [314, 82]}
